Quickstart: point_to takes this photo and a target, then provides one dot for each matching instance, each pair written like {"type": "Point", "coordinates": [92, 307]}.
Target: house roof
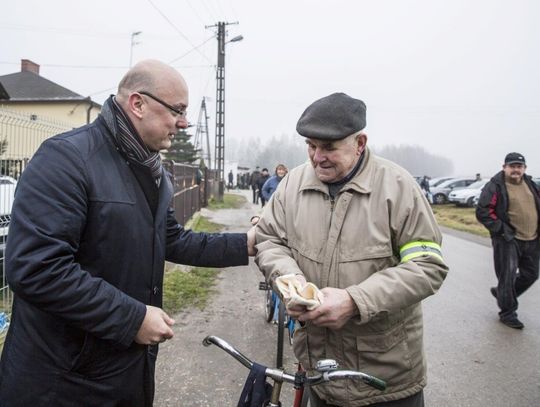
{"type": "Point", "coordinates": [30, 87]}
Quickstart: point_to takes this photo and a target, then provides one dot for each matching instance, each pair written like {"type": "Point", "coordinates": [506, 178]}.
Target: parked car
{"type": "Point", "coordinates": [7, 194]}
{"type": "Point", "coordinates": [437, 181]}
{"type": "Point", "coordinates": [465, 196]}
{"type": "Point", "coordinates": [441, 191]}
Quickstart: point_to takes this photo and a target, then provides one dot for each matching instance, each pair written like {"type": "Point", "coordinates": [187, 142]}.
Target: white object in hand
{"type": "Point", "coordinates": [294, 293]}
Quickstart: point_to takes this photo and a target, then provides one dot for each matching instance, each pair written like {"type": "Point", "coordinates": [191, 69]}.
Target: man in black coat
{"type": "Point", "coordinates": [263, 177]}
{"type": "Point", "coordinates": [253, 181]}
{"type": "Point", "coordinates": [91, 228]}
{"type": "Point", "coordinates": [509, 207]}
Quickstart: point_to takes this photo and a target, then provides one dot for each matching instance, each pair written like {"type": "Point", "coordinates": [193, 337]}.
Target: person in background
{"type": "Point", "coordinates": [230, 177]}
{"type": "Point", "coordinates": [358, 227]}
{"type": "Point", "coordinates": [263, 177]}
{"type": "Point", "coordinates": [424, 184]}
{"type": "Point", "coordinates": [90, 231]}
{"type": "Point", "coordinates": [253, 181]}
{"type": "Point", "coordinates": [509, 207]}
{"type": "Point", "coordinates": [271, 183]}
{"type": "Point", "coordinates": [478, 177]}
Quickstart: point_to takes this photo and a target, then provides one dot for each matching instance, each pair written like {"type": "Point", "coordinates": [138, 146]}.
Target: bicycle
{"type": "Point", "coordinates": [327, 371]}
{"type": "Point", "coordinates": [275, 311]}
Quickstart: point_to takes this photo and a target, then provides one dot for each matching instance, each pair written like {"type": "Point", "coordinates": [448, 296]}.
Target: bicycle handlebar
{"type": "Point", "coordinates": [280, 375]}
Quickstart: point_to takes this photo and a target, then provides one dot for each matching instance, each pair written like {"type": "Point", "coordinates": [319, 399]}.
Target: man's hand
{"type": "Point", "coordinates": [155, 328]}
{"type": "Point", "coordinates": [337, 308]}
{"type": "Point", "coordinates": [252, 251]}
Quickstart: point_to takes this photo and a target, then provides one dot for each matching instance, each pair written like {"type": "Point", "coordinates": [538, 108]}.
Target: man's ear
{"type": "Point", "coordinates": [136, 104]}
{"type": "Point", "coordinates": [361, 141]}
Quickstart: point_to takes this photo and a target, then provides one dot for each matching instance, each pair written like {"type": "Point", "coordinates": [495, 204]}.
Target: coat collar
{"type": "Point", "coordinates": [362, 182]}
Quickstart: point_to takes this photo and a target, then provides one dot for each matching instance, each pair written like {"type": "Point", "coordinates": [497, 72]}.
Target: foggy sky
{"type": "Point", "coordinates": [460, 78]}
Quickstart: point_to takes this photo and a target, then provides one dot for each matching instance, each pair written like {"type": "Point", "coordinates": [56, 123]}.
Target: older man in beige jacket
{"type": "Point", "coordinates": [359, 228]}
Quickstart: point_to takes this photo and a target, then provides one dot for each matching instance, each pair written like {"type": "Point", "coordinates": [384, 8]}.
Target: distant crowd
{"type": "Point", "coordinates": [260, 181]}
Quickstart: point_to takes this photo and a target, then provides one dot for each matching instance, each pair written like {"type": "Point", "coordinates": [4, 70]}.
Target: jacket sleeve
{"type": "Point", "coordinates": [411, 280]}
{"type": "Point", "coordinates": [486, 212]}
{"type": "Point", "coordinates": [273, 254]}
{"type": "Point", "coordinates": [204, 249]}
{"type": "Point", "coordinates": [266, 190]}
{"type": "Point", "coordinates": [48, 218]}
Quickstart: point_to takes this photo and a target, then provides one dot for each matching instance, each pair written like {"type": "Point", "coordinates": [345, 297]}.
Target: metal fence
{"type": "Point", "coordinates": [192, 188]}
{"type": "Point", "coordinates": [21, 133]}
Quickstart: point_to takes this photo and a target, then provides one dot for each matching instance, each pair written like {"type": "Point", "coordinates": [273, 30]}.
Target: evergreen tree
{"type": "Point", "coordinates": [182, 150]}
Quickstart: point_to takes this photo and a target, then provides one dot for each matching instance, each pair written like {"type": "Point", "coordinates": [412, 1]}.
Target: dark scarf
{"type": "Point", "coordinates": [131, 143]}
{"type": "Point", "coordinates": [335, 187]}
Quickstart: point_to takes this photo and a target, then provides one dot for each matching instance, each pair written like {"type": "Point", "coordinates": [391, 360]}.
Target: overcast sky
{"type": "Point", "coordinates": [460, 77]}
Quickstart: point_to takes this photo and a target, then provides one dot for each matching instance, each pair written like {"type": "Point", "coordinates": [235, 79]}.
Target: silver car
{"type": "Point", "coordinates": [440, 192]}
{"type": "Point", "coordinates": [466, 196]}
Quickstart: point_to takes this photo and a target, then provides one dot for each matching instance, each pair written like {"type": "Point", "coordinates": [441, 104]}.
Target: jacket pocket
{"type": "Point", "coordinates": [82, 357]}
{"type": "Point", "coordinates": [364, 253]}
{"type": "Point", "coordinates": [381, 342]}
{"type": "Point", "coordinates": [385, 355]}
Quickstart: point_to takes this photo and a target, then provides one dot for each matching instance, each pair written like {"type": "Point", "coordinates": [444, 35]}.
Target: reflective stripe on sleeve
{"type": "Point", "coordinates": [412, 250]}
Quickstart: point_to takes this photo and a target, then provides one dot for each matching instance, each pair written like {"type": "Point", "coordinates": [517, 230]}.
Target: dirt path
{"type": "Point", "coordinates": [189, 374]}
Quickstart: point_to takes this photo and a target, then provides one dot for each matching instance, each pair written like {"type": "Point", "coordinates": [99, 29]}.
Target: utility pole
{"type": "Point", "coordinates": [220, 105]}
{"type": "Point", "coordinates": [133, 43]}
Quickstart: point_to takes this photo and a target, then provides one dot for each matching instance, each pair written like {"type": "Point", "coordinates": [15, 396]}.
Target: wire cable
{"type": "Point", "coordinates": [176, 29]}
{"type": "Point", "coordinates": [193, 49]}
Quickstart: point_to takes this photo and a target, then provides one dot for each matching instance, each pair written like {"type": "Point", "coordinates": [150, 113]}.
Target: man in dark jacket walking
{"type": "Point", "coordinates": [509, 207]}
{"type": "Point", "coordinates": [91, 228]}
{"type": "Point", "coordinates": [253, 181]}
{"type": "Point", "coordinates": [260, 183]}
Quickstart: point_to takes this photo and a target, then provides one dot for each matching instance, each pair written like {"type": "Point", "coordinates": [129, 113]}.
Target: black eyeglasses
{"type": "Point", "coordinates": [181, 113]}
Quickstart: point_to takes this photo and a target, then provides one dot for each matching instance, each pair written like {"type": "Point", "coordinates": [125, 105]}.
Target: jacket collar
{"type": "Point", "coordinates": [362, 182]}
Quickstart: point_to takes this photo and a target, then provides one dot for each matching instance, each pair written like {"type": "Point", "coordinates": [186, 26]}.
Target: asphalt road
{"type": "Point", "coordinates": [473, 360]}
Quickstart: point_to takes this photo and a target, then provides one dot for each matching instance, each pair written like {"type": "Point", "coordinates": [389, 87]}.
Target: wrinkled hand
{"type": "Point", "coordinates": [338, 307]}
{"type": "Point", "coordinates": [155, 328]}
{"type": "Point", "coordinates": [251, 242]}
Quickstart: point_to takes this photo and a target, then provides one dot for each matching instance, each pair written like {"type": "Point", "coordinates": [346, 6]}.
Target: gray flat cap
{"type": "Point", "coordinates": [333, 117]}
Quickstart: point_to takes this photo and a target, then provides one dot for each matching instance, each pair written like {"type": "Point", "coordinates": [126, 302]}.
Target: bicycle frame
{"type": "Point", "coordinates": [327, 371]}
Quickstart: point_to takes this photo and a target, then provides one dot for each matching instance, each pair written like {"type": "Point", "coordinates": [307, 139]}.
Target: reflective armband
{"type": "Point", "coordinates": [420, 248]}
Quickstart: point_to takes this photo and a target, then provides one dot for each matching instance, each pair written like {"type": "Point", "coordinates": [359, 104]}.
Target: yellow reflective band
{"type": "Point", "coordinates": [419, 248]}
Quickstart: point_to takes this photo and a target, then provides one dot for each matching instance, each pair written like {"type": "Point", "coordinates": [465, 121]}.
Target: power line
{"type": "Point", "coordinates": [62, 31]}
{"type": "Point", "coordinates": [193, 49]}
{"type": "Point", "coordinates": [220, 10]}
{"type": "Point", "coordinates": [233, 10]}
{"type": "Point", "coordinates": [195, 11]}
{"type": "Point", "coordinates": [209, 11]}
{"type": "Point", "coordinates": [177, 29]}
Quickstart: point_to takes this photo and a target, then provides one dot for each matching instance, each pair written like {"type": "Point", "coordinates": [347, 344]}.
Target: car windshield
{"type": "Point", "coordinates": [477, 184]}
{"type": "Point", "coordinates": [447, 183]}
{"type": "Point", "coordinates": [437, 182]}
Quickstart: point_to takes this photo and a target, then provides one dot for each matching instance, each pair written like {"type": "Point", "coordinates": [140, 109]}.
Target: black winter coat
{"type": "Point", "coordinates": [492, 208]}
{"type": "Point", "coordinates": [84, 256]}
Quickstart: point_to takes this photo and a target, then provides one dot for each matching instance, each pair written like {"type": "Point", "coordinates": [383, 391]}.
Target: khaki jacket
{"type": "Point", "coordinates": [353, 242]}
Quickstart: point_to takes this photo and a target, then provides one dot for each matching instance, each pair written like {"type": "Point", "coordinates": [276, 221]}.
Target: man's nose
{"type": "Point", "coordinates": [318, 156]}
{"type": "Point", "coordinates": [182, 123]}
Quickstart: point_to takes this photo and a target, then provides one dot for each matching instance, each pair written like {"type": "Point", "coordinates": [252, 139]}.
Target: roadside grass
{"type": "Point", "coordinates": [185, 286]}
{"type": "Point", "coordinates": [188, 288]}
{"type": "Point", "coordinates": [459, 218]}
{"type": "Point", "coordinates": [230, 201]}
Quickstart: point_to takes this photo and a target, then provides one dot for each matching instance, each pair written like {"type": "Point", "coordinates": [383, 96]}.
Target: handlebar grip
{"type": "Point", "coordinates": [376, 382]}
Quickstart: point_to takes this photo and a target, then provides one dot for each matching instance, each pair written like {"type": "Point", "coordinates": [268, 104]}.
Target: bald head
{"type": "Point", "coordinates": [154, 96]}
{"type": "Point", "coordinates": [149, 75]}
